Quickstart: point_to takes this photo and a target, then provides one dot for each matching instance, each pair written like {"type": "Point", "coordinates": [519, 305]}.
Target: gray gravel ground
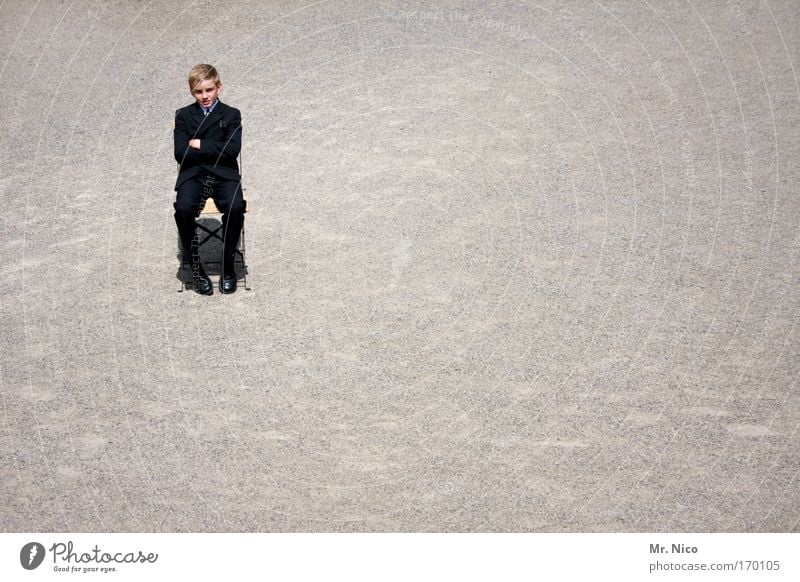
{"type": "Point", "coordinates": [515, 266]}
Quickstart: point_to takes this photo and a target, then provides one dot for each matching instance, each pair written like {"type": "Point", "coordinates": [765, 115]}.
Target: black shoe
{"type": "Point", "coordinates": [227, 282]}
{"type": "Point", "coordinates": [202, 282]}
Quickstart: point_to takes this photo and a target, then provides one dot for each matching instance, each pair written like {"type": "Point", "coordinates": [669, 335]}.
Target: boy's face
{"type": "Point", "coordinates": [206, 92]}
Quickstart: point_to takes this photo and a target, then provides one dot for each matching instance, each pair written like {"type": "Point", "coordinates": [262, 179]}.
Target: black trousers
{"type": "Point", "coordinates": [227, 195]}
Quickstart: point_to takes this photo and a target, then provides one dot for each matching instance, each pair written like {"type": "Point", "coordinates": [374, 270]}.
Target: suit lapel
{"type": "Point", "coordinates": [204, 122]}
{"type": "Point", "coordinates": [215, 115]}
{"type": "Point", "coordinates": [197, 117]}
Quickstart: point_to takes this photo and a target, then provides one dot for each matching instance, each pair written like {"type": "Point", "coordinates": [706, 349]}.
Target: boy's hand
{"type": "Point", "coordinates": [194, 143]}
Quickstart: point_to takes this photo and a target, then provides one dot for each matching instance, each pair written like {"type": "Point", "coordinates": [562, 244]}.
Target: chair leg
{"type": "Point", "coordinates": [180, 267]}
{"type": "Point", "coordinates": [244, 262]}
{"type": "Point", "coordinates": [183, 282]}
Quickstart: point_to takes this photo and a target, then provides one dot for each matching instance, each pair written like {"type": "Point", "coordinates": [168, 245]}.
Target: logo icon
{"type": "Point", "coordinates": [32, 555]}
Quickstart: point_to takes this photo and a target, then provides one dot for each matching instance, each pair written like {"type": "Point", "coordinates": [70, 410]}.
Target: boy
{"type": "Point", "coordinates": [208, 138]}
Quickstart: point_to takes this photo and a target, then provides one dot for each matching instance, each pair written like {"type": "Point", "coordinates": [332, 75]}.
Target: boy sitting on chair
{"type": "Point", "coordinates": [208, 138]}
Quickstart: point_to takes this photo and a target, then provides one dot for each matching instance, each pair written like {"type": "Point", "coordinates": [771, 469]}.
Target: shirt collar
{"type": "Point", "coordinates": [210, 109]}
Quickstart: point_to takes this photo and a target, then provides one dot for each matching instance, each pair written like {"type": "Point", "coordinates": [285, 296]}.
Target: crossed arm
{"type": "Point", "coordinates": [191, 149]}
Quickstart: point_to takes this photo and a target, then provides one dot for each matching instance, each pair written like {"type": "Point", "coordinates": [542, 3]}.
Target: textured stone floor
{"type": "Point", "coordinates": [515, 266]}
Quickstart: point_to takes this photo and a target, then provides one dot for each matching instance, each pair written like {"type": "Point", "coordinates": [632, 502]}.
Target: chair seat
{"type": "Point", "coordinates": [210, 207]}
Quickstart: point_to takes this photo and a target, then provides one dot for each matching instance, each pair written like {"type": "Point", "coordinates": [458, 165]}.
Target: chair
{"type": "Point", "coordinates": [214, 232]}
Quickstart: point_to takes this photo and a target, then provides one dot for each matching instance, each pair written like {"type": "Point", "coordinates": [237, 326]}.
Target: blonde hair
{"type": "Point", "coordinates": [200, 73]}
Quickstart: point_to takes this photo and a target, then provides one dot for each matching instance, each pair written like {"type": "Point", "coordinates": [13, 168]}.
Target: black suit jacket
{"type": "Point", "coordinates": [220, 135]}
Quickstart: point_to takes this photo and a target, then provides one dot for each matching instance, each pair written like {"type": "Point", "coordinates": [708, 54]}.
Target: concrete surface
{"type": "Point", "coordinates": [516, 266]}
